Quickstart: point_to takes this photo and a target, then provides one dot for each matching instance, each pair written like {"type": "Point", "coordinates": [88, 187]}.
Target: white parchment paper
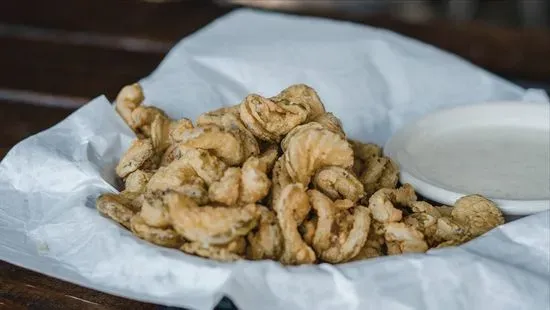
{"type": "Point", "coordinates": [374, 80]}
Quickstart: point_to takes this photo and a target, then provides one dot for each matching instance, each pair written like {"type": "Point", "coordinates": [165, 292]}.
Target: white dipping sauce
{"type": "Point", "coordinates": [504, 162]}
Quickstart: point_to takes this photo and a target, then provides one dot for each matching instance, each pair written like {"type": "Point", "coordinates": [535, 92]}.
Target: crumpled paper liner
{"type": "Point", "coordinates": [373, 79]}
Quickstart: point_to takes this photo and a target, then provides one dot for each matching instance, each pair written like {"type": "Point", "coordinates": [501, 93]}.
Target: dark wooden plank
{"type": "Point", "coordinates": [88, 65]}
{"type": "Point", "coordinates": [80, 38]}
{"type": "Point", "coordinates": [8, 304]}
{"type": "Point", "coordinates": [83, 71]}
{"type": "Point", "coordinates": [88, 71]}
{"type": "Point", "coordinates": [79, 56]}
{"type": "Point", "coordinates": [45, 99]}
{"type": "Point", "coordinates": [520, 53]}
{"type": "Point", "coordinates": [27, 289]}
{"type": "Point", "coordinates": [165, 21]}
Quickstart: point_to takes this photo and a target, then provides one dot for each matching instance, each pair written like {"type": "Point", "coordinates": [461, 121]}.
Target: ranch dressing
{"type": "Point", "coordinates": [498, 162]}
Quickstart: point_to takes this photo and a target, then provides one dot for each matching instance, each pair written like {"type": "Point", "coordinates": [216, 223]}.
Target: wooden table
{"type": "Point", "coordinates": [56, 55]}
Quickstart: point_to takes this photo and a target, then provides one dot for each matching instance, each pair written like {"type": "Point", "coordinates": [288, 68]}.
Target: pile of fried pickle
{"type": "Point", "coordinates": [274, 178]}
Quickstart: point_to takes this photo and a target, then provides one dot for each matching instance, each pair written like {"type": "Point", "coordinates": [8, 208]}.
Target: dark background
{"type": "Point", "coordinates": [55, 55]}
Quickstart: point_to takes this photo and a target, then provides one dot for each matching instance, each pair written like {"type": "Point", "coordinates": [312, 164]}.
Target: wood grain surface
{"type": "Point", "coordinates": [23, 289]}
{"type": "Point", "coordinates": [56, 55]}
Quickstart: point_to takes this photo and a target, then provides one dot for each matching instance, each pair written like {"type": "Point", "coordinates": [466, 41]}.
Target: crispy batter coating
{"type": "Point", "coordinates": [198, 188]}
{"type": "Point", "coordinates": [154, 212]}
{"type": "Point", "coordinates": [143, 117]}
{"type": "Point", "coordinates": [449, 230]}
{"type": "Point", "coordinates": [239, 186]}
{"type": "Point", "coordinates": [190, 134]}
{"type": "Point", "coordinates": [249, 144]}
{"type": "Point", "coordinates": [307, 230]}
{"type": "Point", "coordinates": [338, 183]}
{"type": "Point", "coordinates": [424, 207]}
{"type": "Point", "coordinates": [382, 203]}
{"type": "Point", "coordinates": [270, 120]}
{"type": "Point", "coordinates": [477, 214]}
{"type": "Point", "coordinates": [365, 151]}
{"type": "Point", "coordinates": [315, 148]}
{"type": "Point", "coordinates": [137, 181]}
{"type": "Point", "coordinates": [279, 179]}
{"type": "Point", "coordinates": [373, 245]}
{"type": "Point", "coordinates": [295, 251]}
{"type": "Point", "coordinates": [170, 154]}
{"type": "Point", "coordinates": [266, 241]}
{"type": "Point", "coordinates": [115, 207]}
{"type": "Point", "coordinates": [216, 117]}
{"type": "Point", "coordinates": [165, 237]}
{"type": "Point", "coordinates": [436, 226]}
{"type": "Point", "coordinates": [304, 95]}
{"type": "Point", "coordinates": [209, 224]}
{"type": "Point", "coordinates": [371, 249]}
{"type": "Point", "coordinates": [223, 144]}
{"type": "Point", "coordinates": [379, 172]}
{"type": "Point", "coordinates": [401, 238]}
{"type": "Point", "coordinates": [160, 130]}
{"type": "Point", "coordinates": [423, 218]}
{"type": "Point", "coordinates": [330, 122]}
{"type": "Point", "coordinates": [268, 158]}
{"type": "Point", "coordinates": [255, 183]}
{"type": "Point", "coordinates": [424, 223]}
{"type": "Point", "coordinates": [164, 130]}
{"type": "Point", "coordinates": [132, 200]}
{"type": "Point", "coordinates": [229, 119]}
{"type": "Point", "coordinates": [378, 229]}
{"type": "Point", "coordinates": [181, 177]}
{"type": "Point", "coordinates": [227, 189]}
{"type": "Point", "coordinates": [232, 251]}
{"type": "Point", "coordinates": [141, 154]}
{"type": "Point", "coordinates": [298, 130]}
{"type": "Point", "coordinates": [445, 211]}
{"type": "Point", "coordinates": [179, 128]}
{"type": "Point", "coordinates": [374, 170]}
{"type": "Point", "coordinates": [128, 99]}
{"type": "Point", "coordinates": [207, 166]}
{"type": "Point", "coordinates": [358, 166]}
{"type": "Point", "coordinates": [340, 232]}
